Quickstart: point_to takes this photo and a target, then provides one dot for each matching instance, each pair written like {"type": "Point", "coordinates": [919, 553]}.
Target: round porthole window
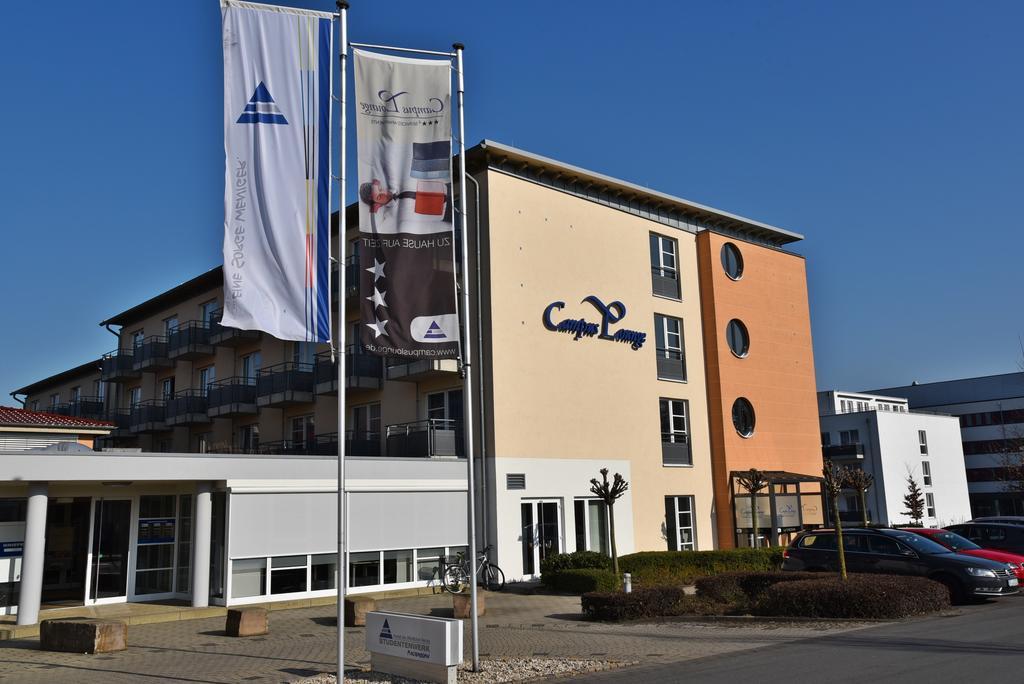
{"type": "Point", "coordinates": [732, 261]}
{"type": "Point", "coordinates": [739, 340]}
{"type": "Point", "coordinates": [743, 417]}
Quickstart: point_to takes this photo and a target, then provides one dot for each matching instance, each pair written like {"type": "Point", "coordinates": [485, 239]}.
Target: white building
{"type": "Point", "coordinates": [991, 413]}
{"type": "Point", "coordinates": [891, 443]}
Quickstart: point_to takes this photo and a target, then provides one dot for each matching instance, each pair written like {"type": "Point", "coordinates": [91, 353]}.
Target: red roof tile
{"type": "Point", "coordinates": [16, 417]}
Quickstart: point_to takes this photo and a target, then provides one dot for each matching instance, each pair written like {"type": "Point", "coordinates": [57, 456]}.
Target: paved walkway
{"type": "Point", "coordinates": [302, 643]}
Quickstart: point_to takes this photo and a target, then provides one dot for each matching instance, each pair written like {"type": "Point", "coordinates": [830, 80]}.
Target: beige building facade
{"type": "Point", "coordinates": [590, 322]}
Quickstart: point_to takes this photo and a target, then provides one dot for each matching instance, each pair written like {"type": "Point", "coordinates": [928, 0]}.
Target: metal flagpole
{"type": "Point", "coordinates": [342, 565]}
{"type": "Point", "coordinates": [467, 365]}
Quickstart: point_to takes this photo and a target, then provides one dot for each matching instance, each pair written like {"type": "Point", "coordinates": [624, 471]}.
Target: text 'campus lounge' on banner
{"type": "Point", "coordinates": [406, 241]}
{"type": "Point", "coordinates": [277, 119]}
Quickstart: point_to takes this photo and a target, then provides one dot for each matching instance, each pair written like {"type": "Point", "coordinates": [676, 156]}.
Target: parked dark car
{"type": "Point", "coordinates": [1008, 519]}
{"type": "Point", "coordinates": [896, 552]}
{"type": "Point", "coordinates": [992, 535]}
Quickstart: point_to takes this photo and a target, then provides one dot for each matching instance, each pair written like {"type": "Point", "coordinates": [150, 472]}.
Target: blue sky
{"type": "Point", "coordinates": [888, 133]}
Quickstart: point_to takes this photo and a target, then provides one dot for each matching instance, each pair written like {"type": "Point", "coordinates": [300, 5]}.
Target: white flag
{"type": "Point", "coordinates": [277, 120]}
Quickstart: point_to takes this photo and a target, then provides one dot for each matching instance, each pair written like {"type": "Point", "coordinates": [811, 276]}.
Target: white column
{"type": "Point", "coordinates": [201, 546]}
{"type": "Point", "coordinates": [31, 590]}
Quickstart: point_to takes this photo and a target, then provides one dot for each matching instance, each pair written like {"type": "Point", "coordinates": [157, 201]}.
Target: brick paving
{"type": "Point", "coordinates": [302, 642]}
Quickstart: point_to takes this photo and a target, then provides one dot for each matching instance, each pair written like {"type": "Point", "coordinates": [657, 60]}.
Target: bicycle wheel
{"type": "Point", "coordinates": [494, 578]}
{"type": "Point", "coordinates": [452, 580]}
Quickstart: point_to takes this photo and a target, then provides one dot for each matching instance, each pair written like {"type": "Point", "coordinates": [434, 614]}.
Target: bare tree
{"type": "Point", "coordinates": [834, 481]}
{"type": "Point", "coordinates": [860, 482]}
{"type": "Point", "coordinates": [610, 492]}
{"type": "Point", "coordinates": [752, 482]}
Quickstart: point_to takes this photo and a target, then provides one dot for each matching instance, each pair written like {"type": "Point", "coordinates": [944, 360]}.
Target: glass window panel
{"type": "Point", "coordinates": [428, 564]}
{"type": "Point", "coordinates": [364, 569]}
{"type": "Point", "coordinates": [248, 577]}
{"type": "Point", "coordinates": [153, 582]}
{"type": "Point", "coordinates": [156, 506]}
{"type": "Point", "coordinates": [598, 527]}
{"type": "Point", "coordinates": [289, 581]}
{"type": "Point", "coordinates": [324, 571]}
{"type": "Point", "coordinates": [155, 556]}
{"type": "Point", "coordinates": [288, 562]}
{"type": "Point", "coordinates": [397, 566]}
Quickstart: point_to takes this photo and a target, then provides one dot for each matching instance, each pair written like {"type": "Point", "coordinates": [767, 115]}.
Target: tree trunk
{"type": "Point", "coordinates": [611, 531]}
{"type": "Point", "coordinates": [864, 507]}
{"type": "Point", "coordinates": [753, 518]}
{"type": "Point", "coordinates": [839, 538]}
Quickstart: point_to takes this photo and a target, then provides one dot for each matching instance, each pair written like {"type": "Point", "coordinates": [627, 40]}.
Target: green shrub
{"type": "Point", "coordinates": [641, 603]}
{"type": "Point", "coordinates": [577, 560]}
{"type": "Point", "coordinates": [862, 596]}
{"type": "Point", "coordinates": [742, 588]}
{"type": "Point", "coordinates": [582, 580]}
{"type": "Point", "coordinates": [655, 568]}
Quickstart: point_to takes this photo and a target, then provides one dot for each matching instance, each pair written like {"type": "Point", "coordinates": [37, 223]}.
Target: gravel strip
{"type": "Point", "coordinates": [492, 671]}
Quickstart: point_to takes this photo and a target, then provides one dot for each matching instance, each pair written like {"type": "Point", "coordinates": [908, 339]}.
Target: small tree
{"type": "Point", "coordinates": [752, 482]}
{"type": "Point", "coordinates": [610, 492]}
{"type": "Point", "coordinates": [861, 482]}
{"type": "Point", "coordinates": [834, 480]}
{"type": "Point", "coordinates": [914, 501]}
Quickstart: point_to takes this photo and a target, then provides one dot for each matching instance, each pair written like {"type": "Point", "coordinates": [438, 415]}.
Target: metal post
{"type": "Point", "coordinates": [467, 351]}
{"type": "Point", "coordinates": [342, 244]}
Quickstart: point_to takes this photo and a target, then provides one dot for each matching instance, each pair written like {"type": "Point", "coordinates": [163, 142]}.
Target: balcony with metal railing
{"type": "Point", "coordinates": [418, 370]}
{"type": "Point", "coordinates": [117, 366]}
{"type": "Point", "coordinates": [665, 282]}
{"type": "Point", "coordinates": [234, 396]}
{"type": "Point", "coordinates": [838, 452]}
{"type": "Point", "coordinates": [187, 407]}
{"type": "Point", "coordinates": [362, 371]}
{"type": "Point", "coordinates": [148, 416]}
{"type": "Point", "coordinates": [122, 419]}
{"type": "Point", "coordinates": [151, 354]}
{"type": "Point", "coordinates": [221, 335]}
{"type": "Point", "coordinates": [189, 341]}
{"type": "Point", "coordinates": [284, 384]}
{"type": "Point", "coordinates": [430, 438]}
{"type": "Point", "coordinates": [671, 364]}
{"type": "Point", "coordinates": [84, 407]}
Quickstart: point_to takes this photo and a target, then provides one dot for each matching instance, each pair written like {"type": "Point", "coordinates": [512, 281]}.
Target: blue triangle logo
{"type": "Point", "coordinates": [262, 109]}
{"type": "Point", "coordinates": [434, 332]}
{"type": "Point", "coordinates": [385, 631]}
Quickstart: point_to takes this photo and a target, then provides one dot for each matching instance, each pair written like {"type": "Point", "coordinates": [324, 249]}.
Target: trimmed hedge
{"type": "Point", "coordinates": [577, 560]}
{"type": "Point", "coordinates": [640, 603]}
{"type": "Point", "coordinates": [861, 596]}
{"type": "Point", "coordinates": [742, 588]}
{"type": "Point", "coordinates": [582, 580]}
{"type": "Point", "coordinates": [654, 568]}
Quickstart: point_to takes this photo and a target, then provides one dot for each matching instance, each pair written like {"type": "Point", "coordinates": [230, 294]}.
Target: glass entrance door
{"type": "Point", "coordinates": [541, 533]}
{"type": "Point", "coordinates": [110, 549]}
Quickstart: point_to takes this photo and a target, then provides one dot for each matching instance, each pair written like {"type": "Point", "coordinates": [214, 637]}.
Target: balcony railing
{"type": "Point", "coordinates": [284, 384]}
{"type": "Point", "coordinates": [187, 407]}
{"type": "Point", "coordinates": [837, 451]}
{"type": "Point", "coordinates": [362, 371]}
{"type": "Point", "coordinates": [665, 282]}
{"type": "Point", "coordinates": [229, 337]}
{"type": "Point", "coordinates": [83, 407]}
{"type": "Point", "coordinates": [191, 340]}
{"type": "Point", "coordinates": [151, 354]}
{"type": "Point", "coordinates": [122, 419]}
{"type": "Point", "coordinates": [675, 449]}
{"type": "Point", "coordinates": [431, 438]}
{"type": "Point", "coordinates": [148, 416]}
{"type": "Point", "coordinates": [117, 366]}
{"type": "Point", "coordinates": [416, 370]}
{"type": "Point", "coordinates": [234, 396]}
{"type": "Point", "coordinates": [671, 364]}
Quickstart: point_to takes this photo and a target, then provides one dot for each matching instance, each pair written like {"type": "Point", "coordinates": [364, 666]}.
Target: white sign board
{"type": "Point", "coordinates": [433, 640]}
{"type": "Point", "coordinates": [764, 511]}
{"type": "Point", "coordinates": [787, 510]}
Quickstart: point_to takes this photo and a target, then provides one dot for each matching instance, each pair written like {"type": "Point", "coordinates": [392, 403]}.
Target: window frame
{"type": "Point", "coordinates": [677, 528]}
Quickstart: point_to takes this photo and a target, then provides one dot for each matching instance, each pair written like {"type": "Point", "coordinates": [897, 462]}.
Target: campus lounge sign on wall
{"type": "Point", "coordinates": [610, 314]}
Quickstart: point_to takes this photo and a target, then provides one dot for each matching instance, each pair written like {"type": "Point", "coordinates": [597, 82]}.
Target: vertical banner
{"type": "Point", "coordinates": [277, 116]}
{"type": "Point", "coordinates": [406, 239]}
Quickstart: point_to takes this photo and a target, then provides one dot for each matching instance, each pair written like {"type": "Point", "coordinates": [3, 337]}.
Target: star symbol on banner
{"type": "Point", "coordinates": [378, 298]}
{"type": "Point", "coordinates": [377, 270]}
{"type": "Point", "coordinates": [377, 327]}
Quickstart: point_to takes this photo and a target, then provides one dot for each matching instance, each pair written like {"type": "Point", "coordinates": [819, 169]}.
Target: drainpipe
{"type": "Point", "coordinates": [14, 395]}
{"type": "Point", "coordinates": [111, 399]}
{"type": "Point", "coordinates": [479, 361]}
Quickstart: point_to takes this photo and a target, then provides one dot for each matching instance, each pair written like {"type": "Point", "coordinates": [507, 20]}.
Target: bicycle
{"type": "Point", "coordinates": [456, 575]}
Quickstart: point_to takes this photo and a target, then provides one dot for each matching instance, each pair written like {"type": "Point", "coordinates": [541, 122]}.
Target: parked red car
{"type": "Point", "coordinates": [954, 542]}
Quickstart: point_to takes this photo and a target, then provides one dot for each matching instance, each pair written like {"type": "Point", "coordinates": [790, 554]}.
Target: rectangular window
{"type": "Point", "coordinates": [204, 442]}
{"type": "Point", "coordinates": [668, 334]}
{"type": "Point", "coordinates": [428, 564]}
{"type": "Point", "coordinates": [679, 527]}
{"type": "Point", "coordinates": [155, 551]}
{"type": "Point", "coordinates": [207, 311]}
{"type": "Point", "coordinates": [288, 575]}
{"type": "Point", "coordinates": [99, 389]}
{"type": "Point", "coordinates": [249, 438]}
{"type": "Point", "coordinates": [33, 405]}
{"type": "Point", "coordinates": [134, 397]}
{"type": "Point", "coordinates": [364, 569]}
{"type": "Point", "coordinates": [137, 338]}
{"type": "Point", "coordinates": [922, 439]}
{"type": "Point", "coordinates": [167, 388]}
{"type": "Point", "coordinates": [591, 519]}
{"type": "Point", "coordinates": [76, 394]}
{"type": "Point", "coordinates": [926, 473]}
{"type": "Point", "coordinates": [170, 325]}
{"type": "Point", "coordinates": [445, 408]}
{"type": "Point", "coordinates": [323, 572]}
{"type": "Point", "coordinates": [664, 266]}
{"type": "Point", "coordinates": [183, 580]}
{"type": "Point", "coordinates": [250, 366]}
{"type": "Point", "coordinates": [849, 437]}
{"type": "Point", "coordinates": [248, 577]}
{"type": "Point", "coordinates": [303, 352]}
{"type": "Point", "coordinates": [54, 400]}
{"type": "Point", "coordinates": [675, 438]}
{"type": "Point", "coordinates": [207, 376]}
{"type": "Point", "coordinates": [826, 439]}
{"type": "Point", "coordinates": [303, 433]}
{"type": "Point", "coordinates": [366, 421]}
{"type": "Point", "coordinates": [398, 567]}
{"type": "Point", "coordinates": [929, 499]}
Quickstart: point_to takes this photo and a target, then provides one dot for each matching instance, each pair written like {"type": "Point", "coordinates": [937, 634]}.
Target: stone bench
{"type": "Point", "coordinates": [83, 635]}
{"type": "Point", "coordinates": [245, 622]}
{"type": "Point", "coordinates": [356, 609]}
{"type": "Point", "coordinates": [461, 608]}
